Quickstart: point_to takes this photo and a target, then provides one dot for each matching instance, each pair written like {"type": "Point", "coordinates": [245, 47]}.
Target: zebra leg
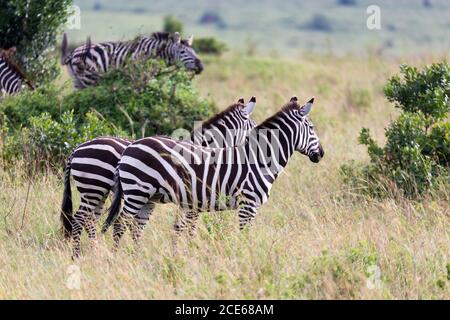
{"type": "Point", "coordinates": [140, 221]}
{"type": "Point", "coordinates": [187, 220]}
{"type": "Point", "coordinates": [247, 212]}
{"type": "Point", "coordinates": [83, 219]}
{"type": "Point", "coordinates": [99, 208]}
{"type": "Point", "coordinates": [119, 228]}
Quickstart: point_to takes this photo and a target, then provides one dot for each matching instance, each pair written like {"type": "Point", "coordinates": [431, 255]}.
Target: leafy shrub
{"type": "Point", "coordinates": [42, 127]}
{"type": "Point", "coordinates": [32, 26]}
{"type": "Point", "coordinates": [46, 143]}
{"type": "Point", "coordinates": [417, 151]}
{"type": "Point", "coordinates": [319, 22]}
{"type": "Point", "coordinates": [209, 45]}
{"type": "Point", "coordinates": [346, 2]}
{"type": "Point", "coordinates": [172, 24]}
{"type": "Point", "coordinates": [143, 99]}
{"type": "Point", "coordinates": [17, 110]}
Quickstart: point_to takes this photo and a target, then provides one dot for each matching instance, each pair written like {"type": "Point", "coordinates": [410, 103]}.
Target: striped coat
{"type": "Point", "coordinates": [161, 170]}
{"type": "Point", "coordinates": [87, 63]}
{"type": "Point", "coordinates": [93, 164]}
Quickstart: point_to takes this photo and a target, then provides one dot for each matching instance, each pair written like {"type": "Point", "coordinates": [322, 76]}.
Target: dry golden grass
{"type": "Point", "coordinates": [313, 239]}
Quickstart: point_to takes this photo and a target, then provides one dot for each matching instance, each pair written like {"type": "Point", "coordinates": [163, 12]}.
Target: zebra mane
{"type": "Point", "coordinates": [292, 105]}
{"type": "Point", "coordinates": [220, 115]}
{"type": "Point", "coordinates": [6, 56]}
{"type": "Point", "coordinates": [166, 36]}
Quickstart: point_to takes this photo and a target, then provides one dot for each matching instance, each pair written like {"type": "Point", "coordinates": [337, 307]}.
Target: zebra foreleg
{"type": "Point", "coordinates": [186, 221]}
{"type": "Point", "coordinates": [247, 212]}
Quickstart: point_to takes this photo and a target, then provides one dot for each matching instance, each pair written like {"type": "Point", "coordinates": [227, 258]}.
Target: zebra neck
{"type": "Point", "coordinates": [269, 150]}
{"type": "Point", "coordinates": [157, 48]}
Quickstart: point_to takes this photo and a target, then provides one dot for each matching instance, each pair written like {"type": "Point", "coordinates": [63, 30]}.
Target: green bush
{"type": "Point", "coordinates": [417, 151]}
{"type": "Point", "coordinates": [17, 110]}
{"type": "Point", "coordinates": [42, 127]}
{"type": "Point", "coordinates": [46, 143]}
{"type": "Point", "coordinates": [32, 27]}
{"type": "Point", "coordinates": [209, 45]}
{"type": "Point", "coordinates": [172, 24]}
{"type": "Point", "coordinates": [143, 99]}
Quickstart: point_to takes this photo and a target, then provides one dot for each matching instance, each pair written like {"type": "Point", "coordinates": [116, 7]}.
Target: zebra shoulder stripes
{"type": "Point", "coordinates": [93, 164]}
{"type": "Point", "coordinates": [11, 75]}
{"type": "Point", "coordinates": [161, 170]}
{"type": "Point", "coordinates": [88, 62]}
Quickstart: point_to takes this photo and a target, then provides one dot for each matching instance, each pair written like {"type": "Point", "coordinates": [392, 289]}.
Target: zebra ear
{"type": "Point", "coordinates": [190, 40]}
{"type": "Point", "coordinates": [176, 37]}
{"type": "Point", "coordinates": [241, 100]}
{"type": "Point", "coordinates": [306, 109]}
{"type": "Point", "coordinates": [250, 106]}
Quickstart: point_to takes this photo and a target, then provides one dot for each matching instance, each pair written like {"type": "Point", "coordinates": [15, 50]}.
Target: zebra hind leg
{"type": "Point", "coordinates": [187, 221]}
{"type": "Point", "coordinates": [247, 213]}
{"type": "Point", "coordinates": [140, 222]}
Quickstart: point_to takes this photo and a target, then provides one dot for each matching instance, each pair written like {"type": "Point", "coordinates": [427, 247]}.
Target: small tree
{"type": "Point", "coordinates": [32, 26]}
{"type": "Point", "coordinates": [417, 150]}
{"type": "Point", "coordinates": [172, 24]}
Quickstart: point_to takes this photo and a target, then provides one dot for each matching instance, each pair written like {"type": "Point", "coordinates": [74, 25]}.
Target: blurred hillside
{"type": "Point", "coordinates": [279, 27]}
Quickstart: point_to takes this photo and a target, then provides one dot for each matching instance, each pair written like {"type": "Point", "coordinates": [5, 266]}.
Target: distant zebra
{"type": "Point", "coordinates": [87, 63]}
{"type": "Point", "coordinates": [11, 76]}
{"type": "Point", "coordinates": [161, 170]}
{"type": "Point", "coordinates": [93, 164]}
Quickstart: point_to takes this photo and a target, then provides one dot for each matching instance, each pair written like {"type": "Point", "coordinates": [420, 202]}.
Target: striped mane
{"type": "Point", "coordinates": [220, 115]}
{"type": "Point", "coordinates": [166, 36]}
{"type": "Point", "coordinates": [285, 109]}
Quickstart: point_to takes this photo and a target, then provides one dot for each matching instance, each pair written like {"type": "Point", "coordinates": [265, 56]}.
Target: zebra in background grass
{"type": "Point", "coordinates": [11, 75]}
{"type": "Point", "coordinates": [87, 63]}
{"type": "Point", "coordinates": [93, 165]}
{"type": "Point", "coordinates": [162, 170]}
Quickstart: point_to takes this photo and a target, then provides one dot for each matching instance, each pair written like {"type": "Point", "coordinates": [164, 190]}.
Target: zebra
{"type": "Point", "coordinates": [162, 170]}
{"type": "Point", "coordinates": [11, 75]}
{"type": "Point", "coordinates": [93, 163]}
{"type": "Point", "coordinates": [88, 62]}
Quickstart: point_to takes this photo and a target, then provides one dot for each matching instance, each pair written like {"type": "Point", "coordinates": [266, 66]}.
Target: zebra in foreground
{"type": "Point", "coordinates": [11, 75]}
{"type": "Point", "coordinates": [162, 170]}
{"type": "Point", "coordinates": [88, 62]}
{"type": "Point", "coordinates": [92, 165]}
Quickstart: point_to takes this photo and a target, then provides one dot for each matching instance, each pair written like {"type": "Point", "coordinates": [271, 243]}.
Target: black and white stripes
{"type": "Point", "coordinates": [93, 164]}
{"type": "Point", "coordinates": [160, 170]}
{"type": "Point", "coordinates": [11, 77]}
{"type": "Point", "coordinates": [87, 63]}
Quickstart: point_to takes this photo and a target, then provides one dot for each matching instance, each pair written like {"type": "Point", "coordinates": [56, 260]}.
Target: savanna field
{"type": "Point", "coordinates": [316, 238]}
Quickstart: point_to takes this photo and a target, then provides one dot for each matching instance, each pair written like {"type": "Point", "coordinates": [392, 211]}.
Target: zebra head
{"type": "Point", "coordinates": [308, 142]}
{"type": "Point", "coordinates": [185, 54]}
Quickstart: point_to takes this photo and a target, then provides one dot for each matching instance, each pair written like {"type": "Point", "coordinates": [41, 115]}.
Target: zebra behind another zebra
{"type": "Point", "coordinates": [93, 164]}
{"type": "Point", "coordinates": [11, 76]}
{"type": "Point", "coordinates": [87, 63]}
{"type": "Point", "coordinates": [161, 170]}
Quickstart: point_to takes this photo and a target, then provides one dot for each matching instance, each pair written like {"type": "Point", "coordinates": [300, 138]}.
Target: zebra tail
{"type": "Point", "coordinates": [114, 210]}
{"type": "Point", "coordinates": [67, 207]}
{"type": "Point", "coordinates": [64, 50]}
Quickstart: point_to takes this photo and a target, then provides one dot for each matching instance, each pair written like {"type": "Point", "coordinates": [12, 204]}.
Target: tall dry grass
{"type": "Point", "coordinates": [315, 238]}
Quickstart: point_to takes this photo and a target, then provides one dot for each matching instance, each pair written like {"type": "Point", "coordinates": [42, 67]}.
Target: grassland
{"type": "Point", "coordinates": [315, 238]}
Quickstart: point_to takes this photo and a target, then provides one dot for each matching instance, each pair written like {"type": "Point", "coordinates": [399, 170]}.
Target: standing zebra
{"type": "Point", "coordinates": [11, 76]}
{"type": "Point", "coordinates": [87, 63]}
{"type": "Point", "coordinates": [161, 170]}
{"type": "Point", "coordinates": [93, 164]}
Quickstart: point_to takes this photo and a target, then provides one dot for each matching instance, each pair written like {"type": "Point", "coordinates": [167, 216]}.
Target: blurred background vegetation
{"type": "Point", "coordinates": [282, 28]}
